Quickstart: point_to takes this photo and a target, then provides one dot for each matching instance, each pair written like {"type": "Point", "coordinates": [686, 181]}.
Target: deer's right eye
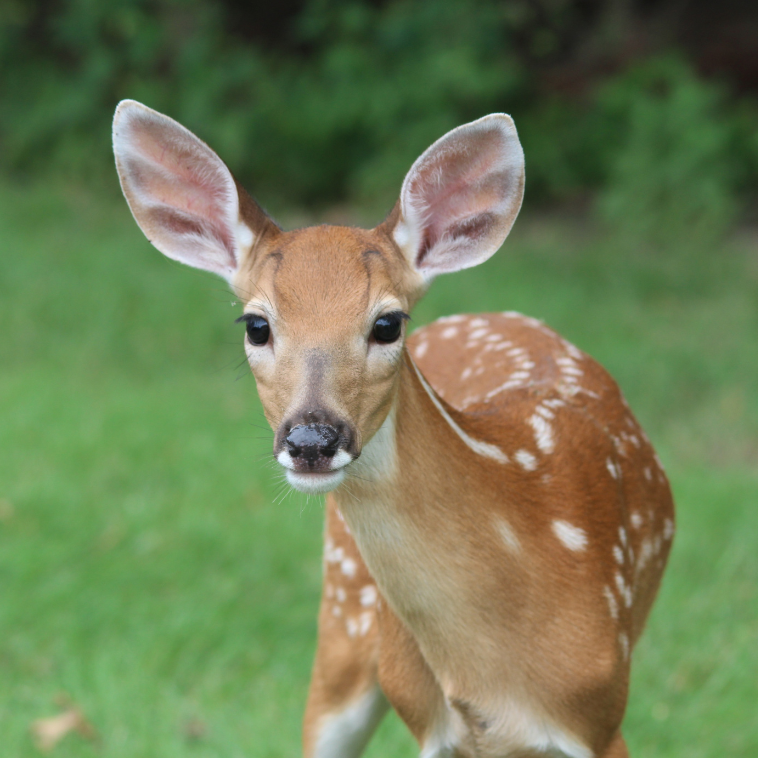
{"type": "Point", "coordinates": [258, 330]}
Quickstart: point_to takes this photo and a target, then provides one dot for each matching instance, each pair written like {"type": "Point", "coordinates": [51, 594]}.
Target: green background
{"type": "Point", "coordinates": [154, 570]}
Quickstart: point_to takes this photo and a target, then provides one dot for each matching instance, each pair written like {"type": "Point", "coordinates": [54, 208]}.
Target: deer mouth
{"type": "Point", "coordinates": [316, 483]}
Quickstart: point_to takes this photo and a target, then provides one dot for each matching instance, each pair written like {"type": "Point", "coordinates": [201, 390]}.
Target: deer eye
{"type": "Point", "coordinates": [388, 327]}
{"type": "Point", "coordinates": [258, 330]}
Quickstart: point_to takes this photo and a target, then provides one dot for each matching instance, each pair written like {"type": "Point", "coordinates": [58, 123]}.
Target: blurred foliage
{"type": "Point", "coordinates": [339, 101]}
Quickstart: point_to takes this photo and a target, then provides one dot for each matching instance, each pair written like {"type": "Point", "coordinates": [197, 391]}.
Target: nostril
{"type": "Point", "coordinates": [292, 448]}
{"type": "Point", "coordinates": [329, 440]}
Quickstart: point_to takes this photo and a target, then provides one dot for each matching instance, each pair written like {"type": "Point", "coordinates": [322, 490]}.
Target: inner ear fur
{"type": "Point", "coordinates": [461, 197]}
{"type": "Point", "coordinates": [181, 193]}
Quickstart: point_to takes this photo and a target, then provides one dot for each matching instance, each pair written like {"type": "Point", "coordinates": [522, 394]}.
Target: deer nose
{"type": "Point", "coordinates": [312, 440]}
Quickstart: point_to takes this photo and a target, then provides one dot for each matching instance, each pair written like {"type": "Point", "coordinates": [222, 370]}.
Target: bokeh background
{"type": "Point", "coordinates": [159, 585]}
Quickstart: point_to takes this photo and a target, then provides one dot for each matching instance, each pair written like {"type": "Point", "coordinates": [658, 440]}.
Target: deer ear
{"type": "Point", "coordinates": [461, 197]}
{"type": "Point", "coordinates": [181, 194]}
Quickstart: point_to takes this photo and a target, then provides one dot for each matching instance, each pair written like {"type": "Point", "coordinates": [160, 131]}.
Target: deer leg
{"type": "Point", "coordinates": [617, 748]}
{"type": "Point", "coordinates": [345, 702]}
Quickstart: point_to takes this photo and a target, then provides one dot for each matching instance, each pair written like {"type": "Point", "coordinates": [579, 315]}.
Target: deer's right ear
{"type": "Point", "coordinates": [180, 192]}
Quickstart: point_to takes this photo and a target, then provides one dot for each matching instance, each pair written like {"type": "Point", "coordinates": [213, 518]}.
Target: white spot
{"type": "Point", "coordinates": [341, 595]}
{"type": "Point", "coordinates": [518, 376]}
{"type": "Point", "coordinates": [668, 529]}
{"type": "Point", "coordinates": [478, 334]}
{"type": "Point", "coordinates": [624, 643]}
{"type": "Point", "coordinates": [466, 373]}
{"type": "Point", "coordinates": [571, 536]}
{"type": "Point", "coordinates": [513, 352]}
{"type": "Point", "coordinates": [476, 322]}
{"type": "Point", "coordinates": [503, 345]}
{"type": "Point", "coordinates": [333, 554]}
{"type": "Point", "coordinates": [351, 625]}
{"type": "Point", "coordinates": [613, 606]}
{"type": "Point", "coordinates": [336, 611]}
{"type": "Point", "coordinates": [648, 474]}
{"type": "Point", "coordinates": [494, 338]}
{"type": "Point", "coordinates": [646, 553]}
{"type": "Point", "coordinates": [543, 434]}
{"type": "Point", "coordinates": [544, 412]}
{"type": "Point", "coordinates": [622, 535]}
{"type": "Point", "coordinates": [612, 468]}
{"type": "Point", "coordinates": [364, 622]}
{"type": "Point", "coordinates": [421, 349]}
{"type": "Point", "coordinates": [449, 333]}
{"type": "Point", "coordinates": [526, 459]}
{"type": "Point", "coordinates": [507, 534]}
{"type": "Point", "coordinates": [618, 554]}
{"type": "Point", "coordinates": [554, 403]}
{"type": "Point", "coordinates": [349, 567]}
{"type": "Point", "coordinates": [481, 448]}
{"type": "Point", "coordinates": [636, 519]}
{"type": "Point", "coordinates": [573, 351]}
{"type": "Point", "coordinates": [368, 595]}
{"type": "Point", "coordinates": [624, 591]}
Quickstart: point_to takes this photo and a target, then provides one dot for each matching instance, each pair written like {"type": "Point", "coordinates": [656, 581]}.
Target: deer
{"type": "Point", "coordinates": [496, 521]}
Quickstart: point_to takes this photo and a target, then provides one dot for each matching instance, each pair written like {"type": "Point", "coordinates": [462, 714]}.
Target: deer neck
{"type": "Point", "coordinates": [410, 506]}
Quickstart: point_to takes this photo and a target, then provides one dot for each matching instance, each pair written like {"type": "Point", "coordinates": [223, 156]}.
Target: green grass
{"type": "Point", "coordinates": [146, 571]}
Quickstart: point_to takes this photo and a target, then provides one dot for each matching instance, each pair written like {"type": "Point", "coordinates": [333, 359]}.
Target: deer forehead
{"type": "Point", "coordinates": [324, 282]}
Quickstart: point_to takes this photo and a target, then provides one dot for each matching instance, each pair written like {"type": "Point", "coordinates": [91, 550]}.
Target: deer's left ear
{"type": "Point", "coordinates": [461, 197]}
{"type": "Point", "coordinates": [183, 197]}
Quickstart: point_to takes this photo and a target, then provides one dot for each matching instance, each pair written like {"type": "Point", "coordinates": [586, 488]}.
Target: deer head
{"type": "Point", "coordinates": [326, 306]}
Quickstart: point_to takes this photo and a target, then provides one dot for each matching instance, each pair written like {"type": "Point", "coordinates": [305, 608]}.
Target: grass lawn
{"type": "Point", "coordinates": [155, 573]}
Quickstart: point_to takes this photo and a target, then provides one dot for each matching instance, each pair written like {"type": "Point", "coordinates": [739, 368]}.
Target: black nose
{"type": "Point", "coordinates": [310, 441]}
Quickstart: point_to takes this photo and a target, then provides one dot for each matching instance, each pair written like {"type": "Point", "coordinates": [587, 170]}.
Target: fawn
{"type": "Point", "coordinates": [497, 523]}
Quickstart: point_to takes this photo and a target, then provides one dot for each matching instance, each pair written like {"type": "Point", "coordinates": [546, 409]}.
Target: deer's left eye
{"type": "Point", "coordinates": [388, 327]}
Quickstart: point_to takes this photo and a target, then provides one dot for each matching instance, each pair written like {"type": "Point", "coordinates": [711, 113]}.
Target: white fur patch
{"type": "Point", "coordinates": [668, 529]}
{"type": "Point", "coordinates": [345, 733]}
{"type": "Point", "coordinates": [368, 595]}
{"type": "Point", "coordinates": [508, 535]}
{"type": "Point", "coordinates": [571, 536]}
{"type": "Point", "coordinates": [526, 459]}
{"type": "Point", "coordinates": [613, 606]}
{"type": "Point", "coordinates": [481, 448]}
{"type": "Point", "coordinates": [543, 434]}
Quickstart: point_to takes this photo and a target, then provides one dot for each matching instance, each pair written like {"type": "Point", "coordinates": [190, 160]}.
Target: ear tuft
{"type": "Point", "coordinates": [180, 192]}
{"type": "Point", "coordinates": [461, 197]}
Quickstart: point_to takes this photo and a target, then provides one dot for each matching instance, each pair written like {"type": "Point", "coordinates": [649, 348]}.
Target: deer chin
{"type": "Point", "coordinates": [316, 483]}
